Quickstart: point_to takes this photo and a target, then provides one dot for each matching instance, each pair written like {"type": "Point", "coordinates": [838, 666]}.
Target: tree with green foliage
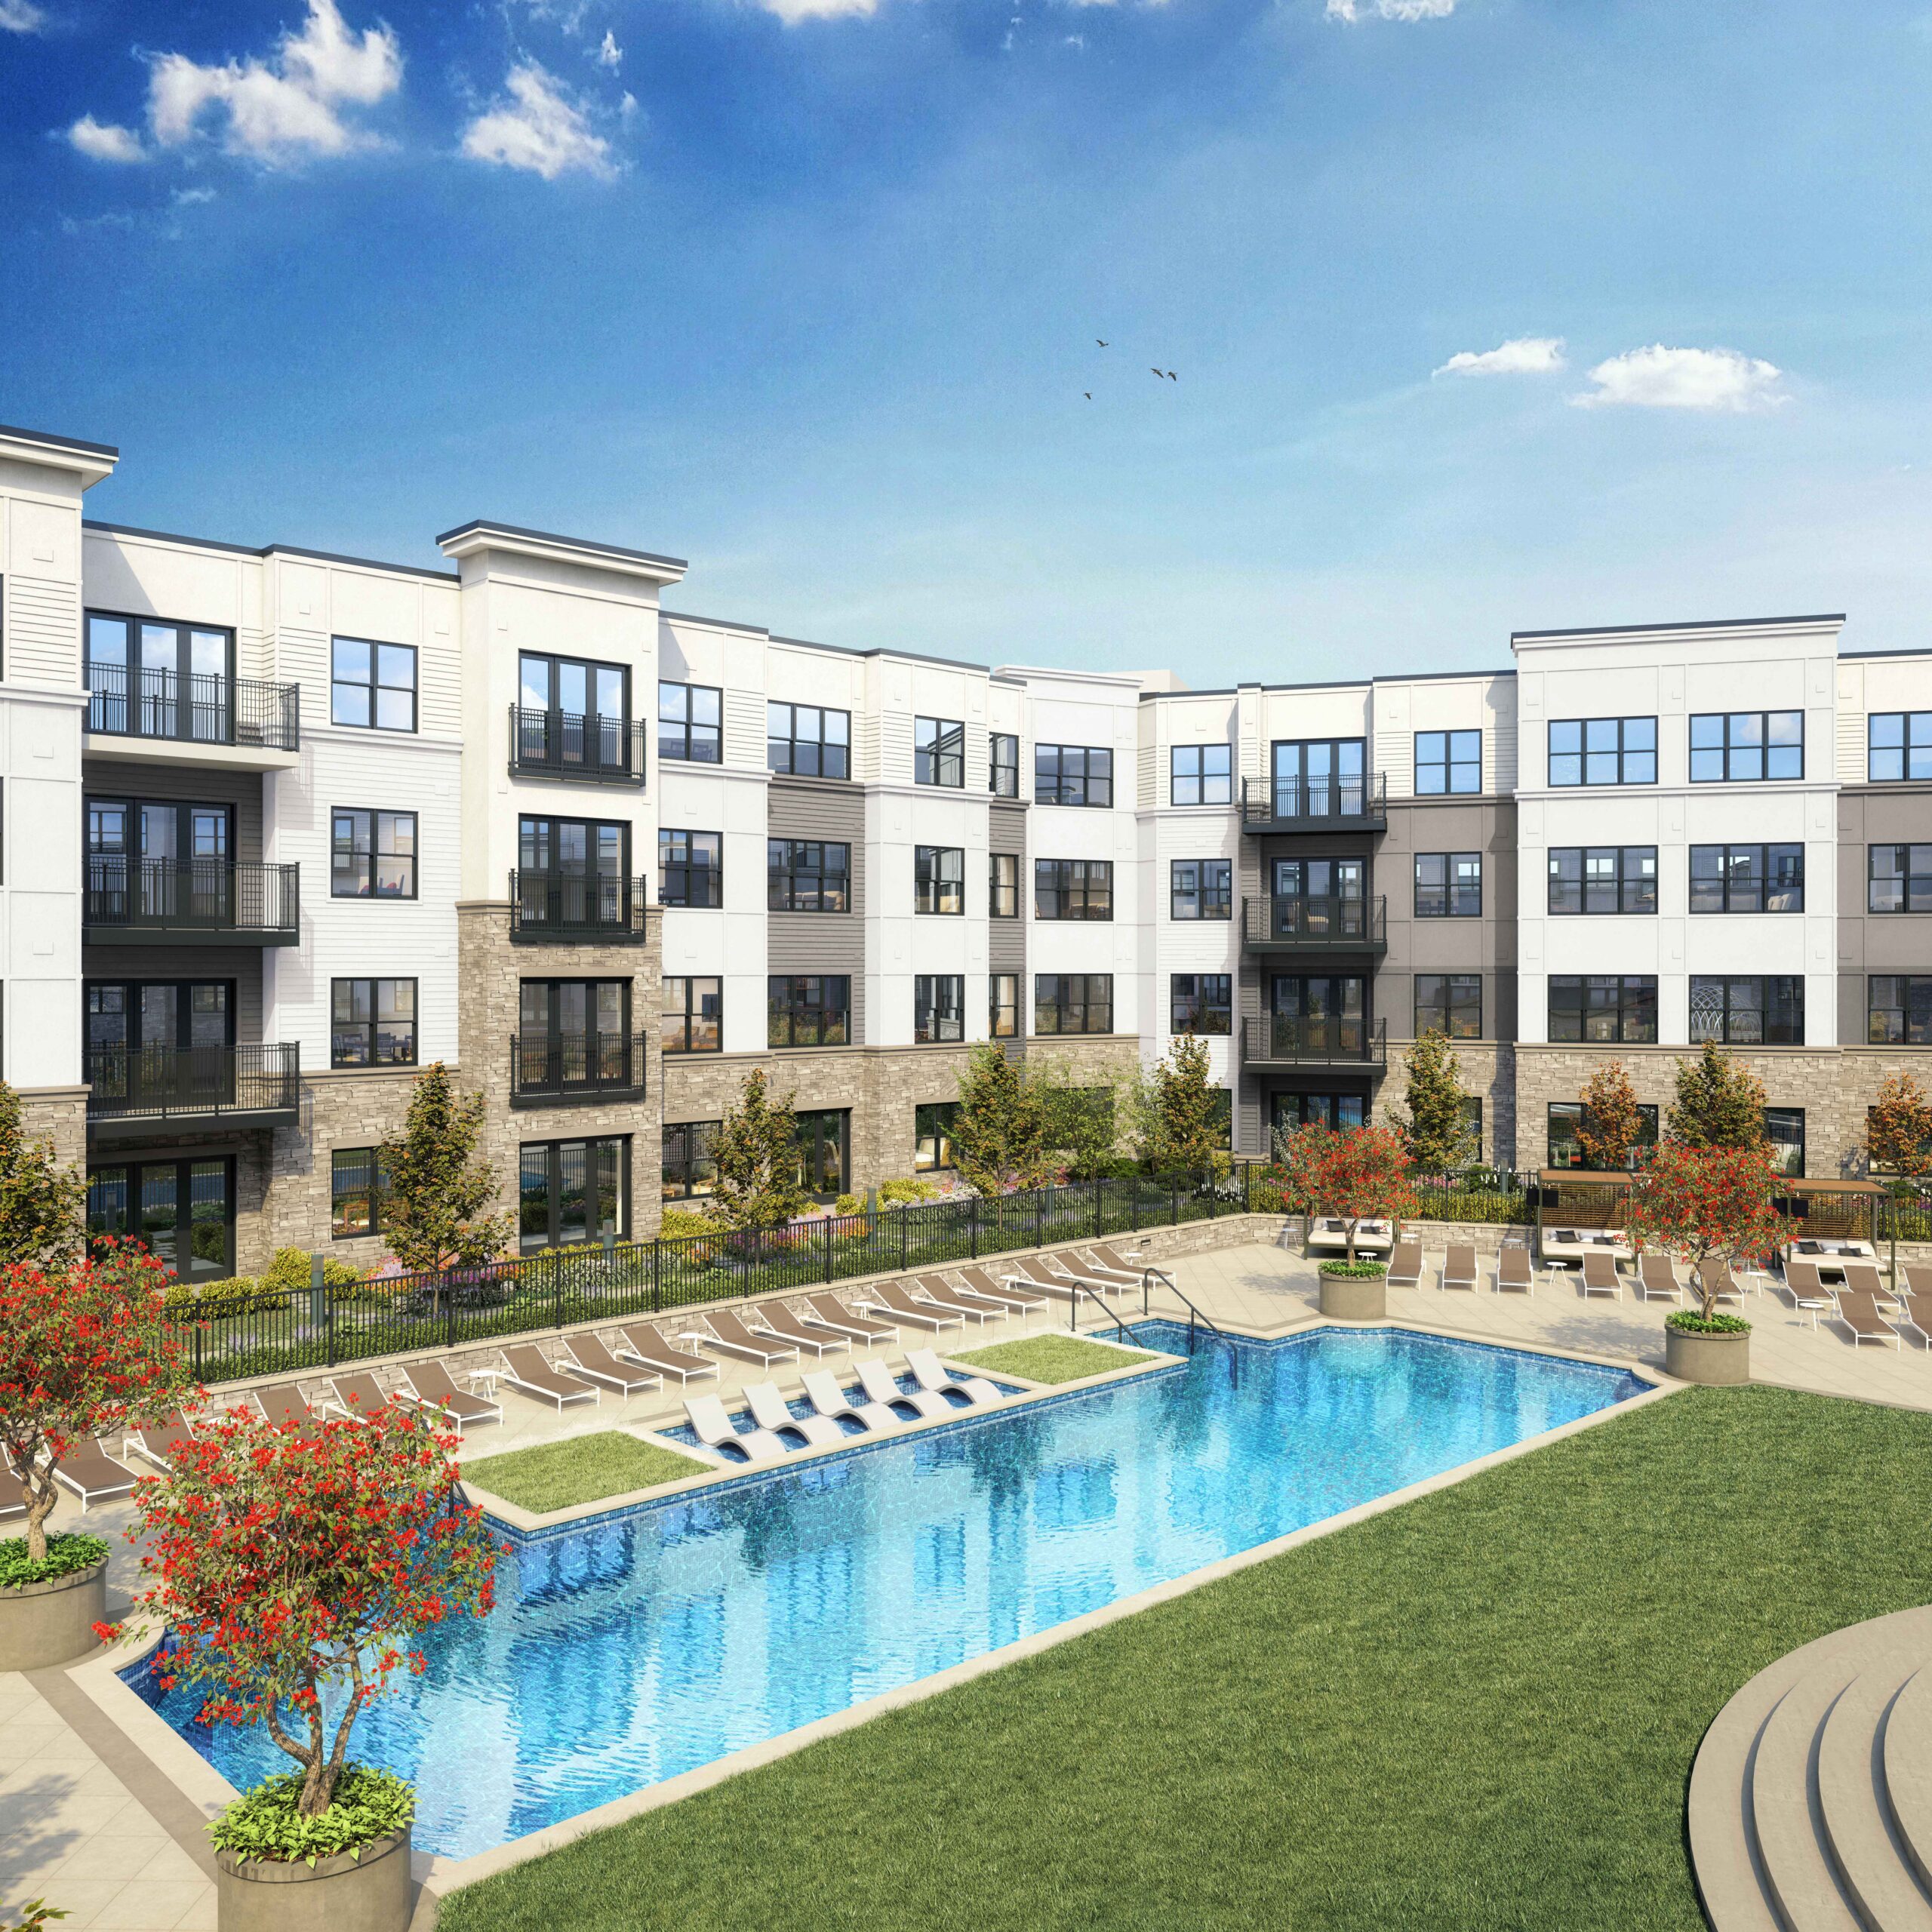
{"type": "Point", "coordinates": [1611, 1126]}
{"type": "Point", "coordinates": [1898, 1129]}
{"type": "Point", "coordinates": [1180, 1115]}
{"type": "Point", "coordinates": [43, 1204]}
{"type": "Point", "coordinates": [999, 1134]}
{"type": "Point", "coordinates": [438, 1193]}
{"type": "Point", "coordinates": [1438, 1127]}
{"type": "Point", "coordinates": [756, 1151]}
{"type": "Point", "coordinates": [1720, 1102]}
{"type": "Point", "coordinates": [1082, 1129]}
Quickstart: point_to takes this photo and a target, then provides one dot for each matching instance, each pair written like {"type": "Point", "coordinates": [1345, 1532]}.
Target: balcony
{"type": "Point", "coordinates": [207, 902]}
{"type": "Point", "coordinates": [197, 719]}
{"type": "Point", "coordinates": [1295, 924]}
{"type": "Point", "coordinates": [136, 1089]}
{"type": "Point", "coordinates": [550, 1070]}
{"type": "Point", "coordinates": [1314, 805]}
{"type": "Point", "coordinates": [584, 751]}
{"type": "Point", "coordinates": [578, 908]}
{"type": "Point", "coordinates": [1338, 1046]}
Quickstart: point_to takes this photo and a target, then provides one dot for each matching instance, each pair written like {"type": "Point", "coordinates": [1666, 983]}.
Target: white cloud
{"type": "Point", "coordinates": [1520, 355]}
{"type": "Point", "coordinates": [609, 54]}
{"type": "Point", "coordinates": [1353, 10]}
{"type": "Point", "coordinates": [1661, 378]}
{"type": "Point", "coordinates": [792, 11]}
{"type": "Point", "coordinates": [190, 198]}
{"type": "Point", "coordinates": [106, 142]}
{"type": "Point", "coordinates": [20, 16]}
{"type": "Point", "coordinates": [540, 129]}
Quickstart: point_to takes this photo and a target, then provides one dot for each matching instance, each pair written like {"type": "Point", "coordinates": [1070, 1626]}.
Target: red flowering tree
{"type": "Point", "coordinates": [295, 1559]}
{"type": "Point", "coordinates": [1362, 1175]}
{"type": "Point", "coordinates": [83, 1349]}
{"type": "Point", "coordinates": [1705, 1203]}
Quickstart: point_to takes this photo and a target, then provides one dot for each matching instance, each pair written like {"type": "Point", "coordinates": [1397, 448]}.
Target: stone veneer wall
{"type": "Point", "coordinates": [1488, 1070]}
{"type": "Point", "coordinates": [58, 1114]}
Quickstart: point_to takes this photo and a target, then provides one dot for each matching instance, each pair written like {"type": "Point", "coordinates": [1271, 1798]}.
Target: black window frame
{"type": "Point", "coordinates": [1449, 994]}
{"type": "Point", "coordinates": [939, 755]}
{"type": "Point", "coordinates": [1764, 860]}
{"type": "Point", "coordinates": [1911, 993]}
{"type": "Point", "coordinates": [1584, 751]}
{"type": "Point", "coordinates": [1002, 885]}
{"type": "Point", "coordinates": [1573, 1111]}
{"type": "Point", "coordinates": [1724, 751]}
{"type": "Point", "coordinates": [684, 879]}
{"type": "Point", "coordinates": [1634, 992]}
{"type": "Point", "coordinates": [554, 1235]}
{"type": "Point", "coordinates": [932, 1125]}
{"type": "Point", "coordinates": [374, 814]}
{"type": "Point", "coordinates": [1913, 750]}
{"type": "Point", "coordinates": [1776, 1117]}
{"type": "Point", "coordinates": [1211, 901]}
{"type": "Point", "coordinates": [1207, 996]}
{"type": "Point", "coordinates": [1003, 764]}
{"type": "Point", "coordinates": [1200, 778]}
{"type": "Point", "coordinates": [1780, 994]}
{"type": "Point", "coordinates": [685, 1152]}
{"type": "Point", "coordinates": [1009, 984]}
{"type": "Point", "coordinates": [1078, 889]}
{"type": "Point", "coordinates": [800, 876]}
{"type": "Point", "coordinates": [1913, 872]}
{"type": "Point", "coordinates": [795, 1003]}
{"type": "Point", "coordinates": [1057, 995]}
{"type": "Point", "coordinates": [1450, 896]}
{"type": "Point", "coordinates": [372, 1188]}
{"type": "Point", "coordinates": [374, 684]}
{"type": "Point", "coordinates": [681, 736]}
{"type": "Point", "coordinates": [690, 1013]}
{"type": "Point", "coordinates": [821, 748]}
{"type": "Point", "coordinates": [1451, 759]}
{"type": "Point", "coordinates": [939, 1008]}
{"type": "Point", "coordinates": [1057, 779]}
{"type": "Point", "coordinates": [337, 1026]}
{"type": "Point", "coordinates": [133, 1174]}
{"type": "Point", "coordinates": [1626, 876]}
{"type": "Point", "coordinates": [932, 874]}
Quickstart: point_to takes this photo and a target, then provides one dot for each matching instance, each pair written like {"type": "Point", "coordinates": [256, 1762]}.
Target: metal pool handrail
{"type": "Point", "coordinates": [1073, 1310]}
{"type": "Point", "coordinates": [1151, 1274]}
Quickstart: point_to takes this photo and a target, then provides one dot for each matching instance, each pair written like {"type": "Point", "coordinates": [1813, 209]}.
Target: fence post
{"type": "Point", "coordinates": [1173, 1188]}
{"type": "Point", "coordinates": [1039, 1217]}
{"type": "Point", "coordinates": [973, 1226]}
{"type": "Point", "coordinates": [904, 1212]}
{"type": "Point", "coordinates": [449, 1319]}
{"type": "Point", "coordinates": [1099, 1207]}
{"type": "Point", "coordinates": [557, 1289]}
{"type": "Point", "coordinates": [657, 1276]}
{"type": "Point", "coordinates": [830, 1219]}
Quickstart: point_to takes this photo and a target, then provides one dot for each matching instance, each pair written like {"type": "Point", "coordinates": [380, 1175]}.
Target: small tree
{"type": "Point", "coordinates": [1720, 1102]}
{"type": "Point", "coordinates": [1081, 1125]}
{"type": "Point", "coordinates": [1703, 1203]}
{"type": "Point", "coordinates": [756, 1150]}
{"type": "Point", "coordinates": [42, 1203]}
{"type": "Point", "coordinates": [1182, 1116]}
{"type": "Point", "coordinates": [290, 1560]}
{"type": "Point", "coordinates": [437, 1193]}
{"type": "Point", "coordinates": [1362, 1175]}
{"type": "Point", "coordinates": [1438, 1127]}
{"type": "Point", "coordinates": [82, 1349]}
{"type": "Point", "coordinates": [999, 1134]}
{"type": "Point", "coordinates": [1611, 1125]}
{"type": "Point", "coordinates": [1898, 1129]}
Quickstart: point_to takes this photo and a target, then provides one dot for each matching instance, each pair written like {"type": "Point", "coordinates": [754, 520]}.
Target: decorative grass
{"type": "Point", "coordinates": [1477, 1711]}
{"type": "Point", "coordinates": [582, 1468]}
{"type": "Point", "coordinates": [1049, 1358]}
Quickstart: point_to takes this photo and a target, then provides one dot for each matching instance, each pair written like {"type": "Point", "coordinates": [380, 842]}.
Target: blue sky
{"type": "Point", "coordinates": [809, 292]}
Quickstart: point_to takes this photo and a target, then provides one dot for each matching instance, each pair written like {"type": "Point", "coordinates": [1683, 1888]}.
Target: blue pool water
{"type": "Point", "coordinates": [645, 1643]}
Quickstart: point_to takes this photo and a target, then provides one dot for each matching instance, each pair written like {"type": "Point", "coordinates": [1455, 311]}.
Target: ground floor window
{"type": "Point", "coordinates": [932, 1134]}
{"type": "Point", "coordinates": [1003, 1015]}
{"type": "Point", "coordinates": [183, 1211]}
{"type": "Point", "coordinates": [1341, 1111]}
{"type": "Point", "coordinates": [1073, 1003]}
{"type": "Point", "coordinates": [824, 1142]}
{"type": "Point", "coordinates": [689, 1170]}
{"type": "Point", "coordinates": [1784, 1139]}
{"type": "Point", "coordinates": [1566, 1145]}
{"type": "Point", "coordinates": [358, 1186]}
{"type": "Point", "coordinates": [571, 1191]}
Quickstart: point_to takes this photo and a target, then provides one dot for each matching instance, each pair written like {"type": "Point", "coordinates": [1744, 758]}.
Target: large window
{"type": "Point", "coordinates": [808, 741]}
{"type": "Point", "coordinates": [808, 875]}
{"type": "Point", "coordinates": [571, 1191]}
{"type": "Point", "coordinates": [1202, 1003]}
{"type": "Point", "coordinates": [1201, 889]}
{"type": "Point", "coordinates": [1003, 885]}
{"type": "Point", "coordinates": [135, 1027]}
{"type": "Point", "coordinates": [359, 1192]}
{"type": "Point", "coordinates": [373, 685]}
{"type": "Point", "coordinates": [1073, 888]}
{"type": "Point", "coordinates": [1073, 1003]}
{"type": "Point", "coordinates": [1339, 1112]}
{"type": "Point", "coordinates": [939, 1007]}
{"type": "Point", "coordinates": [823, 1139]}
{"type": "Point", "coordinates": [1740, 745]}
{"type": "Point", "coordinates": [1202, 775]}
{"type": "Point", "coordinates": [1899, 746]}
{"type": "Point", "coordinates": [574, 1035]}
{"type": "Point", "coordinates": [690, 723]}
{"type": "Point", "coordinates": [693, 1014]}
{"type": "Point", "coordinates": [1751, 1010]}
{"type": "Point", "coordinates": [1603, 751]}
{"type": "Point", "coordinates": [1784, 1139]}
{"type": "Point", "coordinates": [1603, 879]}
{"type": "Point", "coordinates": [574, 716]}
{"type": "Point", "coordinates": [1899, 879]}
{"type": "Point", "coordinates": [1449, 1004]}
{"type": "Point", "coordinates": [373, 1023]}
{"type": "Point", "coordinates": [1003, 1015]}
{"type": "Point", "coordinates": [1565, 1143]}
{"type": "Point", "coordinates": [1747, 878]}
{"type": "Point", "coordinates": [939, 878]}
{"type": "Point", "coordinates": [1448, 762]}
{"type": "Point", "coordinates": [1317, 1016]}
{"type": "Point", "coordinates": [932, 1135]}
{"type": "Point", "coordinates": [1604, 1007]}
{"type": "Point", "coordinates": [1899, 1010]}
{"type": "Point", "coordinates": [183, 1212]}
{"type": "Point", "coordinates": [939, 751]}
{"type": "Point", "coordinates": [156, 680]}
{"type": "Point", "coordinates": [372, 854]}
{"type": "Point", "coordinates": [690, 1172]}
{"type": "Point", "coordinates": [1073, 775]}
{"type": "Point", "coordinates": [1320, 777]}
{"type": "Point", "coordinates": [808, 1009]}
{"type": "Point", "coordinates": [1003, 770]}
{"type": "Point", "coordinates": [690, 868]}
{"type": "Point", "coordinates": [1448, 885]}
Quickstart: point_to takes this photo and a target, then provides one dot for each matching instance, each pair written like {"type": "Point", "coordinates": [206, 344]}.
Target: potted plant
{"type": "Point", "coordinates": [1709, 1204]}
{"type": "Point", "coordinates": [1362, 1175]}
{"type": "Point", "coordinates": [83, 1349]}
{"type": "Point", "coordinates": [294, 1567]}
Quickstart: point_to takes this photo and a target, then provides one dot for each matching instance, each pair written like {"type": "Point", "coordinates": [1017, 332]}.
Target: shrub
{"type": "Point", "coordinates": [42, 1203]}
{"type": "Point", "coordinates": [849, 1204]}
{"type": "Point", "coordinates": [289, 1272]}
{"type": "Point", "coordinates": [1688, 1321]}
{"type": "Point", "coordinates": [267, 1823]}
{"type": "Point", "coordinates": [1355, 1271]}
{"type": "Point", "coordinates": [67, 1554]}
{"type": "Point", "coordinates": [677, 1222]}
{"type": "Point", "coordinates": [903, 1193]}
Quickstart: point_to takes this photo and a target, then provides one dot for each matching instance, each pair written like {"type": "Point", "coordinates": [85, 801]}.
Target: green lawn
{"type": "Point", "coordinates": [1049, 1358]}
{"type": "Point", "coordinates": [583, 1469]}
{"type": "Point", "coordinates": [1477, 1711]}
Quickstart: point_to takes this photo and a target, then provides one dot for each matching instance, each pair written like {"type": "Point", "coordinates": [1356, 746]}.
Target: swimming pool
{"type": "Point", "coordinates": [637, 1645]}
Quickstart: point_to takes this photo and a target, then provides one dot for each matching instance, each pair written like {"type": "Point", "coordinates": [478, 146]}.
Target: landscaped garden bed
{"type": "Point", "coordinates": [1050, 1359]}
{"type": "Point", "coordinates": [581, 1468]}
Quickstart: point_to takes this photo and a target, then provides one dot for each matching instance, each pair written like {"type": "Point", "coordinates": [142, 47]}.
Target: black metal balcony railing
{"type": "Point", "coordinates": [592, 750]}
{"type": "Point", "coordinates": [207, 901]}
{"type": "Point", "coordinates": [169, 1083]}
{"type": "Point", "coordinates": [1346, 925]}
{"type": "Point", "coordinates": [1282, 1039]}
{"type": "Point", "coordinates": [201, 708]}
{"type": "Point", "coordinates": [546, 1067]}
{"type": "Point", "coordinates": [1315, 803]}
{"type": "Point", "coordinates": [575, 908]}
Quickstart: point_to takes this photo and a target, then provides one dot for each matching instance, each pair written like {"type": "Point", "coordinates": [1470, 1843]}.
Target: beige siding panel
{"type": "Point", "coordinates": [43, 636]}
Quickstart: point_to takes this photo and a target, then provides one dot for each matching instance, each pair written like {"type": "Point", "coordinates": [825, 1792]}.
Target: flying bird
{"type": "Point", "coordinates": [1088, 394]}
{"type": "Point", "coordinates": [1154, 373]}
{"type": "Point", "coordinates": [1172, 377]}
{"type": "Point", "coordinates": [1103, 345]}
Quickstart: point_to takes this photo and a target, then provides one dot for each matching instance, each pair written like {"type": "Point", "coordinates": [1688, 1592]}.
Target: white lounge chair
{"type": "Point", "coordinates": [771, 1411]}
{"type": "Point", "coordinates": [707, 1416]}
{"type": "Point", "coordinates": [823, 1390]}
{"type": "Point", "coordinates": [876, 1379]}
{"type": "Point", "coordinates": [930, 1373]}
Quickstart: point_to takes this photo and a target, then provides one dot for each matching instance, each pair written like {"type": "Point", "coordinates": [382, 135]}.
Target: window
{"type": "Point", "coordinates": [1073, 775]}
{"type": "Point", "coordinates": [1202, 775]}
{"type": "Point", "coordinates": [359, 1188]}
{"type": "Point", "coordinates": [1603, 751]}
{"type": "Point", "coordinates": [135, 1028]}
{"type": "Point", "coordinates": [574, 874]}
{"type": "Point", "coordinates": [808, 1010]}
{"type": "Point", "coordinates": [1743, 745]}
{"type": "Point", "coordinates": [1448, 762]}
{"type": "Point", "coordinates": [183, 1211]}
{"type": "Point", "coordinates": [1003, 882]}
{"type": "Point", "coordinates": [1202, 1003]}
{"type": "Point", "coordinates": [1201, 889]}
{"type": "Point", "coordinates": [1899, 1010]}
{"type": "Point", "coordinates": [939, 1002]}
{"type": "Point", "coordinates": [1566, 1144]}
{"type": "Point", "coordinates": [1747, 878]}
{"type": "Point", "coordinates": [157, 680]}
{"type": "Point", "coordinates": [1003, 775]}
{"type": "Point", "coordinates": [1073, 1003]}
{"type": "Point", "coordinates": [1784, 1139]}
{"type": "Point", "coordinates": [374, 1023]}
{"type": "Point", "coordinates": [689, 1171]}
{"type": "Point", "coordinates": [1603, 1007]}
{"type": "Point", "coordinates": [573, 717]}
{"type": "Point", "coordinates": [573, 1036]}
{"type": "Point", "coordinates": [1341, 1111]}
{"type": "Point", "coordinates": [808, 875]}
{"type": "Point", "coordinates": [1317, 1017]}
{"type": "Point", "coordinates": [373, 854]}
{"type": "Point", "coordinates": [1899, 746]}
{"type": "Point", "coordinates": [571, 1191]}
{"type": "Point", "coordinates": [808, 741]}
{"type": "Point", "coordinates": [1073, 888]}
{"type": "Point", "coordinates": [1750, 1010]}
{"type": "Point", "coordinates": [690, 723]}
{"type": "Point", "coordinates": [1900, 878]}
{"type": "Point", "coordinates": [1449, 1004]}
{"type": "Point", "coordinates": [1003, 1017]}
{"type": "Point", "coordinates": [939, 878]}
{"type": "Point", "coordinates": [690, 868]}
{"type": "Point", "coordinates": [1448, 885]}
{"type": "Point", "coordinates": [932, 1135]}
{"type": "Point", "coordinates": [692, 1021]}
{"type": "Point", "coordinates": [1603, 879]}
{"type": "Point", "coordinates": [1320, 777]}
{"type": "Point", "coordinates": [373, 685]}
{"type": "Point", "coordinates": [939, 751]}
{"type": "Point", "coordinates": [823, 1139]}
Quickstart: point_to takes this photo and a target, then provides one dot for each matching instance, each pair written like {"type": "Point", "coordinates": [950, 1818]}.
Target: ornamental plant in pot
{"type": "Point", "coordinates": [1362, 1175]}
{"type": "Point", "coordinates": [293, 1566]}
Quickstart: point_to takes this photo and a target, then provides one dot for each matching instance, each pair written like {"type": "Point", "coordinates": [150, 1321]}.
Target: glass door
{"type": "Point", "coordinates": [1319, 1018]}
{"type": "Point", "coordinates": [1319, 777]}
{"type": "Point", "coordinates": [159, 1202]}
{"type": "Point", "coordinates": [823, 1139]}
{"type": "Point", "coordinates": [1318, 898]}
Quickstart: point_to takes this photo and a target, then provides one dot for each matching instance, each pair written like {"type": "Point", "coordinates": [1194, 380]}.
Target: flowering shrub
{"type": "Point", "coordinates": [1360, 1176]}
{"type": "Point", "coordinates": [1705, 1203]}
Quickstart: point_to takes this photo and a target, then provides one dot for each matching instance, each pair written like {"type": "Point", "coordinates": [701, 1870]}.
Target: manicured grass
{"type": "Point", "coordinates": [1048, 1358]}
{"type": "Point", "coordinates": [1479, 1711]}
{"type": "Point", "coordinates": [582, 1469]}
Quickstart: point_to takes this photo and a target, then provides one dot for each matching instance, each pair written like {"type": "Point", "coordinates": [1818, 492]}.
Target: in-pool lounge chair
{"type": "Point", "coordinates": [800, 1333]}
{"type": "Point", "coordinates": [429, 1384]}
{"type": "Point", "coordinates": [1859, 1313]}
{"type": "Point", "coordinates": [1459, 1266]}
{"type": "Point", "coordinates": [283, 1403]}
{"type": "Point", "coordinates": [93, 1475]}
{"type": "Point", "coordinates": [930, 1373]}
{"type": "Point", "coordinates": [1515, 1273]}
{"type": "Point", "coordinates": [935, 1289]}
{"type": "Point", "coordinates": [1405, 1265]}
{"type": "Point", "coordinates": [829, 1309]}
{"type": "Point", "coordinates": [729, 1333]}
{"type": "Point", "coordinates": [590, 1359]}
{"type": "Point", "coordinates": [160, 1445]}
{"type": "Point", "coordinates": [1806, 1290]}
{"type": "Point", "coordinates": [358, 1394]}
{"type": "Point", "coordinates": [527, 1371]}
{"type": "Point", "coordinates": [882, 1387]}
{"type": "Point", "coordinates": [982, 1288]}
{"type": "Point", "coordinates": [707, 1416]}
{"type": "Point", "coordinates": [823, 1391]}
{"type": "Point", "coordinates": [1656, 1277]}
{"type": "Point", "coordinates": [771, 1411]}
{"type": "Point", "coordinates": [893, 1300]}
{"type": "Point", "coordinates": [643, 1342]}
{"type": "Point", "coordinates": [1600, 1275]}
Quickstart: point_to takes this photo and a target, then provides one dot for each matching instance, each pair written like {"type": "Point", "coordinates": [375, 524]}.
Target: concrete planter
{"type": "Point", "coordinates": [1355, 1297]}
{"type": "Point", "coordinates": [42, 1624]}
{"type": "Point", "coordinates": [1721, 1361]}
{"type": "Point", "coordinates": [371, 1893]}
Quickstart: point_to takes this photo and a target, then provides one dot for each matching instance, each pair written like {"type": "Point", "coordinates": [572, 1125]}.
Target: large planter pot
{"type": "Point", "coordinates": [371, 1893]}
{"type": "Point", "coordinates": [1355, 1297]}
{"type": "Point", "coordinates": [1721, 1361]}
{"type": "Point", "coordinates": [42, 1624]}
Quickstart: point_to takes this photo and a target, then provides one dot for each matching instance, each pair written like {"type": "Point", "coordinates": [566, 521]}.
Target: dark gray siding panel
{"type": "Point", "coordinates": [822, 942]}
{"type": "Point", "coordinates": [110, 778]}
{"type": "Point", "coordinates": [240, 963]}
{"type": "Point", "coordinates": [1006, 939]}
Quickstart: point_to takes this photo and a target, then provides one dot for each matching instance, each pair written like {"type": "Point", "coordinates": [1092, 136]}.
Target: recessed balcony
{"type": "Point", "coordinates": [556, 1069]}
{"type": "Point", "coordinates": [1314, 805]}
{"type": "Point", "coordinates": [572, 907]}
{"type": "Point", "coordinates": [207, 902]}
{"type": "Point", "coordinates": [197, 718]}
{"type": "Point", "coordinates": [580, 750]}
{"type": "Point", "coordinates": [135, 1090]}
{"type": "Point", "coordinates": [1299, 924]}
{"type": "Point", "coordinates": [1340, 1046]}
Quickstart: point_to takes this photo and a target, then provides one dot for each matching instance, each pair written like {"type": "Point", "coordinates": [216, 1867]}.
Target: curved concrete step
{"type": "Point", "coordinates": [1784, 1805]}
{"type": "Point", "coordinates": [1873, 1864]}
{"type": "Point", "coordinates": [1908, 1749]}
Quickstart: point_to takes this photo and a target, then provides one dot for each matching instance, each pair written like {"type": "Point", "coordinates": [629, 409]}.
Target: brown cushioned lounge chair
{"type": "Point", "coordinates": [901, 1306]}
{"type": "Point", "coordinates": [1405, 1265]}
{"type": "Point", "coordinates": [728, 1332]}
{"type": "Point", "coordinates": [528, 1371]}
{"type": "Point", "coordinates": [1459, 1265]}
{"type": "Point", "coordinates": [1656, 1277]}
{"type": "Point", "coordinates": [358, 1394]}
{"type": "Point", "coordinates": [644, 1341]}
{"type": "Point", "coordinates": [1515, 1274]}
{"type": "Point", "coordinates": [1806, 1290]}
{"type": "Point", "coordinates": [935, 1289]}
{"type": "Point", "coordinates": [1004, 1294]}
{"type": "Point", "coordinates": [796, 1329]}
{"type": "Point", "coordinates": [590, 1359]}
{"type": "Point", "coordinates": [1600, 1275]}
{"type": "Point", "coordinates": [93, 1475]}
{"type": "Point", "coordinates": [833, 1312]}
{"type": "Point", "coordinates": [430, 1385]}
{"type": "Point", "coordinates": [1859, 1313]}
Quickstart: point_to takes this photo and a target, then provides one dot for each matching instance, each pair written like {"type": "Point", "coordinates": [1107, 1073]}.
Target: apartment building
{"type": "Point", "coordinates": [278, 829]}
